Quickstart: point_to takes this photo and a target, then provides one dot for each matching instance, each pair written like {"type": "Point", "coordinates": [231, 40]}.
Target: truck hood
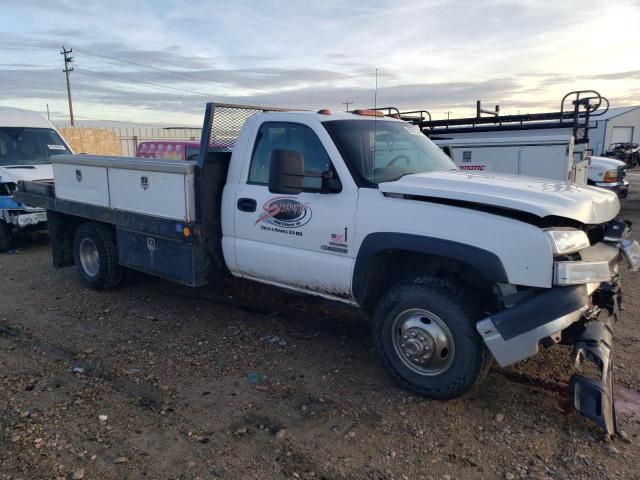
{"type": "Point", "coordinates": [538, 196]}
{"type": "Point", "coordinates": [29, 173]}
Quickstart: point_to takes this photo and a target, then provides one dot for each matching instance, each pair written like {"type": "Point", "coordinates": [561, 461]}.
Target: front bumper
{"type": "Point", "coordinates": [582, 315]}
{"type": "Point", "coordinates": [620, 188]}
{"type": "Point", "coordinates": [24, 218]}
{"type": "Point", "coordinates": [30, 219]}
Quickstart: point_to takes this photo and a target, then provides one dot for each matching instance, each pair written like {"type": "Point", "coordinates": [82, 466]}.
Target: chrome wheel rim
{"type": "Point", "coordinates": [423, 342]}
{"type": "Point", "coordinates": [89, 257]}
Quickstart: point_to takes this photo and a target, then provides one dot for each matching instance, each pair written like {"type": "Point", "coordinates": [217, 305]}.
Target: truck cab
{"type": "Point", "coordinates": [27, 144]}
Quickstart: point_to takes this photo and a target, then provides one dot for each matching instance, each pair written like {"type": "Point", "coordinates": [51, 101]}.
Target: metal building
{"type": "Point", "coordinates": [618, 125]}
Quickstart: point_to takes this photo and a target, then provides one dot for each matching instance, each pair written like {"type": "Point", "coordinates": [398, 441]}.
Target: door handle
{"type": "Point", "coordinates": [247, 204]}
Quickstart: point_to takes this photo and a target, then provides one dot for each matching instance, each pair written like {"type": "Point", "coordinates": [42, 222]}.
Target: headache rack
{"type": "Point", "coordinates": [576, 110]}
{"type": "Point", "coordinates": [222, 124]}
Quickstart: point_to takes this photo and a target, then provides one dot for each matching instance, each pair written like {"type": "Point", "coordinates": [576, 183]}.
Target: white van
{"type": "Point", "coordinates": [27, 143]}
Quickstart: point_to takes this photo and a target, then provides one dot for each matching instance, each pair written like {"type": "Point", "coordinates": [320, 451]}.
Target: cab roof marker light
{"type": "Point", "coordinates": [368, 113]}
{"type": "Point", "coordinates": [324, 111]}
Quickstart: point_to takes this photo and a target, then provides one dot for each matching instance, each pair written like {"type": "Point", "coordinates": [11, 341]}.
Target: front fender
{"type": "Point", "coordinates": [484, 261]}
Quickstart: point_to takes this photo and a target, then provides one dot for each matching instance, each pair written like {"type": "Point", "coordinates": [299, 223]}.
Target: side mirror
{"type": "Point", "coordinates": [286, 172]}
{"type": "Point", "coordinates": [330, 183]}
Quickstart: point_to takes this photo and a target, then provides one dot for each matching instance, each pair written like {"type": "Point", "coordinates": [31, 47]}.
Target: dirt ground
{"type": "Point", "coordinates": [161, 381]}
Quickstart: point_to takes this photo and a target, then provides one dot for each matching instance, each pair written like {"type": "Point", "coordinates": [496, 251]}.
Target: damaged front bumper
{"type": "Point", "coordinates": [24, 218]}
{"type": "Point", "coordinates": [582, 315]}
{"type": "Point", "coordinates": [592, 395]}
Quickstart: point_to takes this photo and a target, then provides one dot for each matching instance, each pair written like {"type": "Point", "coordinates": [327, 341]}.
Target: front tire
{"type": "Point", "coordinates": [425, 336]}
{"type": "Point", "coordinates": [5, 236]}
{"type": "Point", "coordinates": [96, 256]}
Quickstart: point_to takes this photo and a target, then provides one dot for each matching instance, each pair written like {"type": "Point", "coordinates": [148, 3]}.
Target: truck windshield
{"type": "Point", "coordinates": [382, 151]}
{"type": "Point", "coordinates": [29, 146]}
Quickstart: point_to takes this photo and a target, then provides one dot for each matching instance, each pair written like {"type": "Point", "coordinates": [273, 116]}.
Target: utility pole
{"type": "Point", "coordinates": [346, 103]}
{"type": "Point", "coordinates": [68, 60]}
{"type": "Point", "coordinates": [48, 118]}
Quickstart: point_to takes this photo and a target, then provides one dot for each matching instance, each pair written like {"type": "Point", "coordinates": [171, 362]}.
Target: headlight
{"type": "Point", "coordinates": [567, 240]}
{"type": "Point", "coordinates": [611, 176]}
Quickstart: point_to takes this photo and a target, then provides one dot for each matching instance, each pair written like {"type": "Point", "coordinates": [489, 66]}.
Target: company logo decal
{"type": "Point", "coordinates": [474, 168]}
{"type": "Point", "coordinates": [285, 212]}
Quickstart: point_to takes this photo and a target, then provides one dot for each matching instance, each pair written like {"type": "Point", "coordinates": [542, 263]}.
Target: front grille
{"type": "Point", "coordinates": [595, 232]}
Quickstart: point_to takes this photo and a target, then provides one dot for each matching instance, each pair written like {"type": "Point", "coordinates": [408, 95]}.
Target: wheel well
{"type": "Point", "coordinates": [62, 229]}
{"type": "Point", "coordinates": [391, 267]}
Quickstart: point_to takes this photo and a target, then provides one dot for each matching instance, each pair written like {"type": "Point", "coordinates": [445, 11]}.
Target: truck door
{"type": "Point", "coordinates": [302, 241]}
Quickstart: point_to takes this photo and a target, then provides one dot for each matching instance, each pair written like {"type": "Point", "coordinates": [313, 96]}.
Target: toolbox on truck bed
{"type": "Point", "coordinates": [150, 203]}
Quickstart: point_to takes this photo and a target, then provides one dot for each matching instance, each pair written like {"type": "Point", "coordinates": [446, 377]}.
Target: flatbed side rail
{"type": "Point", "coordinates": [45, 198]}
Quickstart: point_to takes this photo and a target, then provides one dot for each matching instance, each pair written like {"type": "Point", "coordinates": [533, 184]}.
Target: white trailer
{"type": "Point", "coordinates": [545, 157]}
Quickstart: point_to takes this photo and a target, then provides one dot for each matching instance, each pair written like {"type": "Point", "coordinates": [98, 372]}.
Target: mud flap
{"type": "Point", "coordinates": [593, 397]}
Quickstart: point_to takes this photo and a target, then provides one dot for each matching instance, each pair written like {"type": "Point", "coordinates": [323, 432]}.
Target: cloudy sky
{"type": "Point", "coordinates": [160, 61]}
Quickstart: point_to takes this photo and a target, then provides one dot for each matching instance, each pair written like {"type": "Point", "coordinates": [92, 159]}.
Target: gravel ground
{"type": "Point", "coordinates": [161, 381]}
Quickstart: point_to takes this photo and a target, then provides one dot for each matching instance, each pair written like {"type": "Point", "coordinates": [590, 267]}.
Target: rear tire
{"type": "Point", "coordinates": [96, 256]}
{"type": "Point", "coordinates": [5, 236]}
{"type": "Point", "coordinates": [425, 336]}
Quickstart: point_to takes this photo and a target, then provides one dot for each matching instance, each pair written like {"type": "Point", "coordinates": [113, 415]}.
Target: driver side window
{"type": "Point", "coordinates": [287, 136]}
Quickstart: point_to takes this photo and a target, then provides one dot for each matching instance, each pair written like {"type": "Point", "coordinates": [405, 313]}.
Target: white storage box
{"type": "Point", "coordinates": [153, 187]}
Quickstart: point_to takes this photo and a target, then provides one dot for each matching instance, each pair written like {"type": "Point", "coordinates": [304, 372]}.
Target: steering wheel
{"type": "Point", "coordinates": [398, 157]}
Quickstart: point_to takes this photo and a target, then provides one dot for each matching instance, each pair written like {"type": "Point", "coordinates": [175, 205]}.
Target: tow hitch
{"type": "Point", "coordinates": [593, 394]}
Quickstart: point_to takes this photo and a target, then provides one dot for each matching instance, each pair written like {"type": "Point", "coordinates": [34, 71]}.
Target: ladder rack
{"type": "Point", "coordinates": [576, 110]}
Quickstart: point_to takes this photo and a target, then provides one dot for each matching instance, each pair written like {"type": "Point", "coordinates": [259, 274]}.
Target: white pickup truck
{"type": "Point", "coordinates": [455, 269]}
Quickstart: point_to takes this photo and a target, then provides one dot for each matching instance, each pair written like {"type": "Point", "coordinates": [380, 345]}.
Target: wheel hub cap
{"type": "Point", "coordinates": [417, 345]}
{"type": "Point", "coordinates": [423, 342]}
{"type": "Point", "coordinates": [89, 257]}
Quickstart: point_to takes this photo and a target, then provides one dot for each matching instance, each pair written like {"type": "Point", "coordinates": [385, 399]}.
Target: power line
{"type": "Point", "coordinates": [188, 76]}
{"type": "Point", "coordinates": [27, 45]}
{"type": "Point", "coordinates": [24, 65]}
{"type": "Point", "coordinates": [164, 71]}
{"type": "Point", "coordinates": [124, 79]}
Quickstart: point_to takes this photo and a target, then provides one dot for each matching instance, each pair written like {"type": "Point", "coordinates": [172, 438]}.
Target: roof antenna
{"type": "Point", "coordinates": [375, 93]}
{"type": "Point", "coordinates": [375, 124]}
